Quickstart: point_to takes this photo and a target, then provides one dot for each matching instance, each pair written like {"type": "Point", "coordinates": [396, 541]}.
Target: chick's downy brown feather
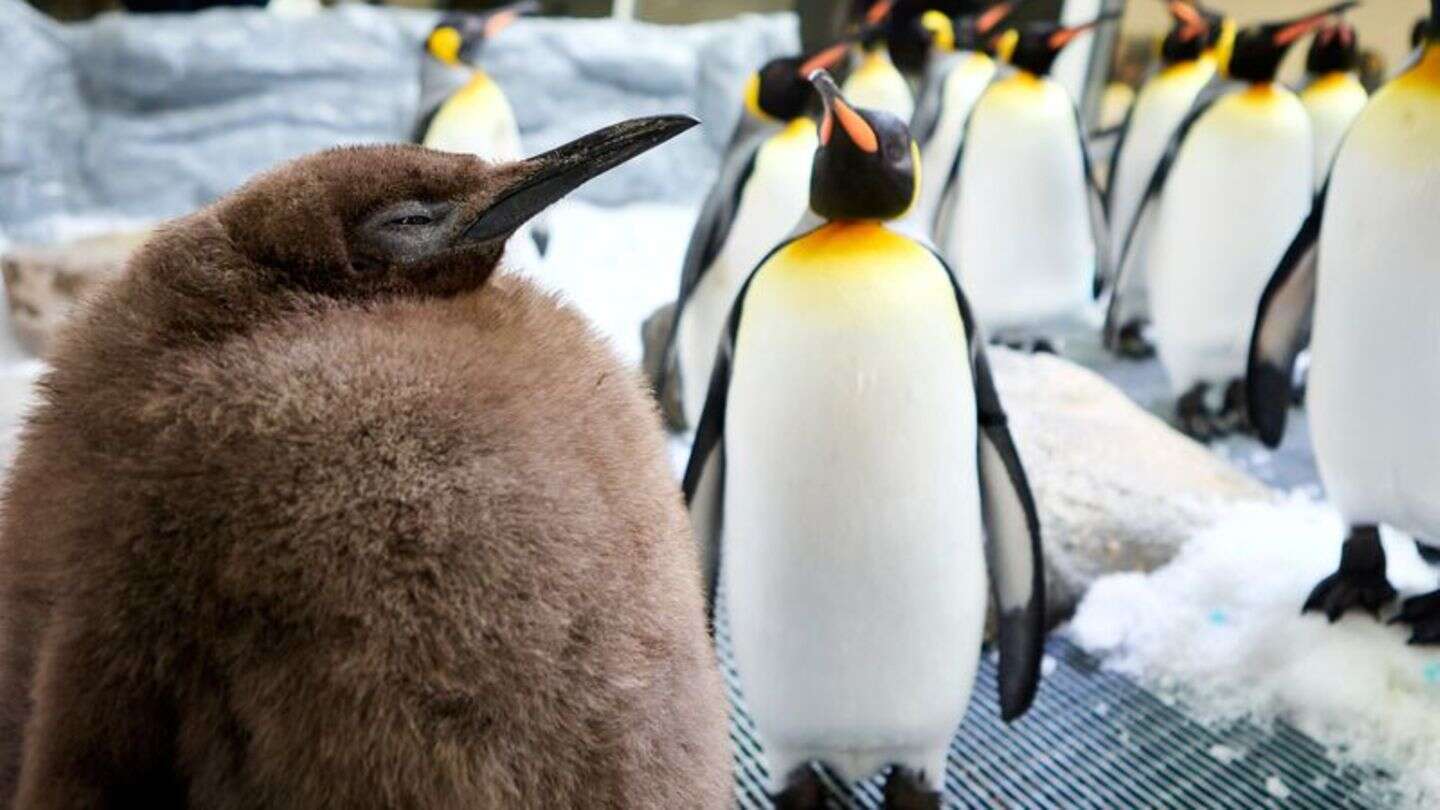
{"type": "Point", "coordinates": [269, 548]}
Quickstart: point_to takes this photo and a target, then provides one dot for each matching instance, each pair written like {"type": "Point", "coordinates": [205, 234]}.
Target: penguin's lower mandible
{"type": "Point", "coordinates": [314, 513]}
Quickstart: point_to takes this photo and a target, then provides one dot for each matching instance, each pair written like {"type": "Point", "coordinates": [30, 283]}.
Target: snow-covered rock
{"type": "Point", "coordinates": [1220, 628]}
{"type": "Point", "coordinates": [1117, 488]}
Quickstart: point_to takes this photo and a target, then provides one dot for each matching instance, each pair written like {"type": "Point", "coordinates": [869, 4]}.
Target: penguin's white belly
{"type": "Point", "coordinates": [1234, 201]}
{"type": "Point", "coordinates": [775, 198]}
{"type": "Point", "coordinates": [1021, 239]}
{"type": "Point", "coordinates": [853, 564]}
{"type": "Point", "coordinates": [964, 84]}
{"type": "Point", "coordinates": [877, 85]}
{"type": "Point", "coordinates": [1374, 390]}
{"type": "Point", "coordinates": [1163, 104]}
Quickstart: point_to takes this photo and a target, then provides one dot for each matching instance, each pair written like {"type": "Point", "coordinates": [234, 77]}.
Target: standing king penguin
{"type": "Point", "coordinates": [1228, 197]}
{"type": "Point", "coordinates": [476, 118]}
{"type": "Point", "coordinates": [851, 474]}
{"type": "Point", "coordinates": [875, 82]}
{"type": "Point", "coordinates": [1362, 271]}
{"type": "Point", "coordinates": [318, 511]}
{"type": "Point", "coordinates": [1189, 70]}
{"type": "Point", "coordinates": [757, 201]}
{"type": "Point", "coordinates": [1022, 217]}
{"type": "Point", "coordinates": [963, 66]}
{"type": "Point", "coordinates": [1334, 95]}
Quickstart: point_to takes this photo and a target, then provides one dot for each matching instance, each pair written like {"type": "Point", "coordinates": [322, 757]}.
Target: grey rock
{"type": "Point", "coordinates": [133, 119]}
{"type": "Point", "coordinates": [1117, 488]}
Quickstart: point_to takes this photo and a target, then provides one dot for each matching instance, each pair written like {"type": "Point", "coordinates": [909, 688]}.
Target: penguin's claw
{"type": "Point", "coordinates": [803, 791]}
{"type": "Point", "coordinates": [906, 790]}
{"type": "Point", "coordinates": [1342, 591]}
{"type": "Point", "coordinates": [1422, 614]}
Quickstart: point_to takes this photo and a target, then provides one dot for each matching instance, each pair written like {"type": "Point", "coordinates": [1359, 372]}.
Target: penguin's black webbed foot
{"type": "Point", "coordinates": [1195, 419]}
{"type": "Point", "coordinates": [1131, 343]}
{"type": "Point", "coordinates": [1029, 345]}
{"type": "Point", "coordinates": [1429, 553]}
{"type": "Point", "coordinates": [1422, 613]}
{"type": "Point", "coordinates": [803, 791]}
{"type": "Point", "coordinates": [1235, 413]}
{"type": "Point", "coordinates": [906, 790]}
{"type": "Point", "coordinates": [1360, 582]}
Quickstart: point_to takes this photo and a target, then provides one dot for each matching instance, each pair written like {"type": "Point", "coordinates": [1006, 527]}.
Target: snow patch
{"type": "Point", "coordinates": [1220, 628]}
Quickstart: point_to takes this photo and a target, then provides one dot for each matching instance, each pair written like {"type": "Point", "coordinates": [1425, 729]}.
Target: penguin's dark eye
{"type": "Point", "coordinates": [412, 219]}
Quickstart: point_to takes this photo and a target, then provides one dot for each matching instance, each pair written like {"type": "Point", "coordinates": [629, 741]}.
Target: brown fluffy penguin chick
{"type": "Point", "coordinates": [315, 514]}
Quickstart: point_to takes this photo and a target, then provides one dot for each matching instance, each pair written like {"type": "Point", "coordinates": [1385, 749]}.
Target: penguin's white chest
{"type": "Point", "coordinates": [1332, 101]}
{"type": "Point", "coordinates": [1163, 104]}
{"type": "Point", "coordinates": [876, 84]}
{"type": "Point", "coordinates": [1235, 198]}
{"type": "Point", "coordinates": [962, 88]}
{"type": "Point", "coordinates": [1020, 235]}
{"type": "Point", "coordinates": [476, 120]}
{"type": "Point", "coordinates": [853, 564]}
{"type": "Point", "coordinates": [1374, 391]}
{"type": "Point", "coordinates": [773, 200]}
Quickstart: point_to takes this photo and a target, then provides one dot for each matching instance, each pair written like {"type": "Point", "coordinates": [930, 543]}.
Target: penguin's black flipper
{"type": "Point", "coordinates": [1116, 313]}
{"type": "Point", "coordinates": [929, 102]}
{"type": "Point", "coordinates": [1099, 230]}
{"type": "Point", "coordinates": [1012, 533]}
{"type": "Point", "coordinates": [1282, 329]}
{"type": "Point", "coordinates": [1122, 134]}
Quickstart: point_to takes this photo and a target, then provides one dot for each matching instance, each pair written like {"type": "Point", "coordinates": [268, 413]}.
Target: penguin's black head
{"type": "Point", "coordinates": [781, 90]}
{"type": "Point", "coordinates": [1259, 49]}
{"type": "Point", "coordinates": [1034, 48]}
{"type": "Point", "coordinates": [1334, 50]}
{"type": "Point", "coordinates": [1420, 32]}
{"type": "Point", "coordinates": [1193, 30]}
{"type": "Point", "coordinates": [366, 222]}
{"type": "Point", "coordinates": [877, 26]}
{"type": "Point", "coordinates": [867, 165]}
{"type": "Point", "coordinates": [973, 31]}
{"type": "Point", "coordinates": [458, 38]}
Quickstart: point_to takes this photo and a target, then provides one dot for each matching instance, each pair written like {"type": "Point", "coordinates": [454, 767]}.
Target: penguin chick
{"type": "Point", "coordinates": [313, 513]}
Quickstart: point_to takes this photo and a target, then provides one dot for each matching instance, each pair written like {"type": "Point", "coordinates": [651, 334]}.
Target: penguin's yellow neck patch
{"type": "Point", "coordinates": [1425, 75]}
{"type": "Point", "coordinates": [800, 128]}
{"type": "Point", "coordinates": [752, 99]}
{"type": "Point", "coordinates": [1185, 70]}
{"type": "Point", "coordinates": [848, 243]}
{"type": "Point", "coordinates": [480, 87]}
{"type": "Point", "coordinates": [1263, 93]}
{"type": "Point", "coordinates": [1330, 82]}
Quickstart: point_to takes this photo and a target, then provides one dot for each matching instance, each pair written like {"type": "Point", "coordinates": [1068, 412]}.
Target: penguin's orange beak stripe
{"type": "Point", "coordinates": [991, 18]}
{"type": "Point", "coordinates": [855, 126]}
{"type": "Point", "coordinates": [499, 22]}
{"type": "Point", "coordinates": [1295, 30]}
{"type": "Point", "coordinates": [879, 11]}
{"type": "Point", "coordinates": [825, 59]}
{"type": "Point", "coordinates": [1195, 25]}
{"type": "Point", "coordinates": [1061, 38]}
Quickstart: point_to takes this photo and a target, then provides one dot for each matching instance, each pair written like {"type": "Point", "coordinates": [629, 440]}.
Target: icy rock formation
{"type": "Point", "coordinates": [1117, 488]}
{"type": "Point", "coordinates": [137, 119]}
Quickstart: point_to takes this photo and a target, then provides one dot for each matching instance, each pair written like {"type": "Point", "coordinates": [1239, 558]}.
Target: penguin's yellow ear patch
{"type": "Point", "coordinates": [1005, 45]}
{"type": "Point", "coordinates": [752, 99]}
{"type": "Point", "coordinates": [942, 31]}
{"type": "Point", "coordinates": [444, 44]}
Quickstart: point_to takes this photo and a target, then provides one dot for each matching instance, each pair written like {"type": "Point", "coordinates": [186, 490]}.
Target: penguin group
{"type": "Point", "coordinates": [853, 483]}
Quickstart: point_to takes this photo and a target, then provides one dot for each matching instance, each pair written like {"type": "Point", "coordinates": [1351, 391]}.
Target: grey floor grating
{"type": "Point", "coordinates": [1093, 739]}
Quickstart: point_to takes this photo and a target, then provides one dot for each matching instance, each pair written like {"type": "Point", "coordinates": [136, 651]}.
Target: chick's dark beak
{"type": "Point", "coordinates": [544, 179]}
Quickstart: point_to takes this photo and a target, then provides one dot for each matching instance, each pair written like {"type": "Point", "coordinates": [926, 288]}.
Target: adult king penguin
{"type": "Point", "coordinates": [1231, 192]}
{"type": "Point", "coordinates": [851, 474]}
{"type": "Point", "coordinates": [1362, 271]}
{"type": "Point", "coordinates": [875, 82]}
{"type": "Point", "coordinates": [1189, 70]}
{"type": "Point", "coordinates": [1021, 218]}
{"type": "Point", "coordinates": [1334, 95]}
{"type": "Point", "coordinates": [755, 204]}
{"type": "Point", "coordinates": [476, 118]}
{"type": "Point", "coordinates": [961, 70]}
{"type": "Point", "coordinates": [317, 510]}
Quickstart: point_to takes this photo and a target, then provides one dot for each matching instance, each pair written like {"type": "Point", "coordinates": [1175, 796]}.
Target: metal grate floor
{"type": "Point", "coordinates": [1093, 739]}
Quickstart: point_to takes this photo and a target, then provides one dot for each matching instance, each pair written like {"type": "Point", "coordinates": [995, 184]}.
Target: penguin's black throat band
{"type": "Point", "coordinates": [560, 171]}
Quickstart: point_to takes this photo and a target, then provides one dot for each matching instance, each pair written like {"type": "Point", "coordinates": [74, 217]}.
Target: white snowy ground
{"type": "Point", "coordinates": [1220, 628]}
